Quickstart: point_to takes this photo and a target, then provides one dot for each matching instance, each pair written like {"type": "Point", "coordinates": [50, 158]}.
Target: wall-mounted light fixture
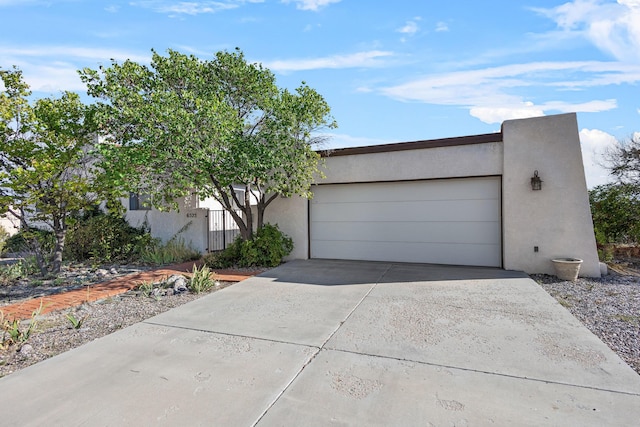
{"type": "Point", "coordinates": [536, 182]}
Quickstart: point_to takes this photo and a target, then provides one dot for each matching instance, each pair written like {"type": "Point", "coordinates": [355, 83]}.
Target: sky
{"type": "Point", "coordinates": [392, 71]}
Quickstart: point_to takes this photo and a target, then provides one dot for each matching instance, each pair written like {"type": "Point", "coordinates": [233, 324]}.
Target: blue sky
{"type": "Point", "coordinates": [392, 71]}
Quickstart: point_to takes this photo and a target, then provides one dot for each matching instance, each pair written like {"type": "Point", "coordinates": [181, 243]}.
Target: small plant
{"type": "Point", "coordinates": [75, 322]}
{"type": "Point", "coordinates": [146, 288]}
{"type": "Point", "coordinates": [201, 280]}
{"type": "Point", "coordinates": [12, 331]}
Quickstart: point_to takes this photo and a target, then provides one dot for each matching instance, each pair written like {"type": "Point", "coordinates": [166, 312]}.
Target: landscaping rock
{"type": "Point", "coordinates": [178, 282]}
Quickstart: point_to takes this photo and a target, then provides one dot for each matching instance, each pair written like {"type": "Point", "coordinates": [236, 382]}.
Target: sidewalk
{"type": "Point", "coordinates": [25, 309]}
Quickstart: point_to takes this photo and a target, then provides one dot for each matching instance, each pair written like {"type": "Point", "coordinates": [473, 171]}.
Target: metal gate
{"type": "Point", "coordinates": [223, 230]}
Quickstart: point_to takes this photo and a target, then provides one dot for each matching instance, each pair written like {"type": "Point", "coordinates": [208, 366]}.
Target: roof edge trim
{"type": "Point", "coordinates": [414, 145]}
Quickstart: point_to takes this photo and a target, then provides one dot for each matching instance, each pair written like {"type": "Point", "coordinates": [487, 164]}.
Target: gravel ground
{"type": "Point", "coordinates": [609, 307]}
{"type": "Point", "coordinates": [54, 333]}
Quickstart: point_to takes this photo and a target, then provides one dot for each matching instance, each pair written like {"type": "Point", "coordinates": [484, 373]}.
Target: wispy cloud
{"type": "Point", "coordinates": [495, 94]}
{"type": "Point", "coordinates": [411, 27]}
{"type": "Point", "coordinates": [442, 27]}
{"type": "Point", "coordinates": [313, 5]}
{"type": "Point", "coordinates": [360, 59]}
{"type": "Point", "coordinates": [613, 28]}
{"type": "Point", "coordinates": [340, 140]}
{"type": "Point", "coordinates": [191, 7]}
{"type": "Point", "coordinates": [55, 68]}
{"type": "Point", "coordinates": [72, 52]}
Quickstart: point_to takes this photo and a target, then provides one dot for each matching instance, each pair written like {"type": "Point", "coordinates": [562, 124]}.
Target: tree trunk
{"type": "Point", "coordinates": [248, 214]}
{"type": "Point", "coordinates": [60, 232]}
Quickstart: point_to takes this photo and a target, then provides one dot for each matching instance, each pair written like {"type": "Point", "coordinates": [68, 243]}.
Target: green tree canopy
{"type": "Point", "coordinates": [184, 124]}
{"type": "Point", "coordinates": [45, 168]}
{"type": "Point", "coordinates": [615, 209]}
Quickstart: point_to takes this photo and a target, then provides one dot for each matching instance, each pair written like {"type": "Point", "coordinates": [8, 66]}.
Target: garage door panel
{"type": "Point", "coordinates": [413, 211]}
{"type": "Point", "coordinates": [390, 192]}
{"type": "Point", "coordinates": [454, 221]}
{"type": "Point", "coordinates": [443, 253]}
{"type": "Point", "coordinates": [432, 232]}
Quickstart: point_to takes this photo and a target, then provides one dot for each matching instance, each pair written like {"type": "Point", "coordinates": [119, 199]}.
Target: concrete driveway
{"type": "Point", "coordinates": [316, 343]}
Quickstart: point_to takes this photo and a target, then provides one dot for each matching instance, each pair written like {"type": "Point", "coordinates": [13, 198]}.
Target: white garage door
{"type": "Point", "coordinates": [452, 221]}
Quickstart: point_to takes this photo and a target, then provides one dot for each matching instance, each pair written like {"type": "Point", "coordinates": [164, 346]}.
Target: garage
{"type": "Point", "coordinates": [442, 221]}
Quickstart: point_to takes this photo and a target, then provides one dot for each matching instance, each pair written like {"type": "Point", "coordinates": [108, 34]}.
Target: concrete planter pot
{"type": "Point", "coordinates": [567, 268]}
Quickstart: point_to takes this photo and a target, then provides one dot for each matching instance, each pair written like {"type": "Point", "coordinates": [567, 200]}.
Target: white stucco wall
{"type": "Point", "coordinates": [557, 218]}
{"type": "Point", "coordinates": [165, 225]}
{"type": "Point", "coordinates": [441, 162]}
{"type": "Point", "coordinates": [291, 215]}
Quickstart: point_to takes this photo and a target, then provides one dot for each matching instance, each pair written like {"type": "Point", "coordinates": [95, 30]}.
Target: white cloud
{"type": "Point", "coordinates": [313, 5]}
{"type": "Point", "coordinates": [355, 60]}
{"type": "Point", "coordinates": [441, 27]}
{"type": "Point", "coordinates": [54, 68]}
{"type": "Point", "coordinates": [337, 140]}
{"type": "Point", "coordinates": [497, 93]}
{"type": "Point", "coordinates": [594, 143]}
{"type": "Point", "coordinates": [613, 28]}
{"type": "Point", "coordinates": [112, 8]}
{"type": "Point", "coordinates": [83, 53]}
{"type": "Point", "coordinates": [191, 7]}
{"type": "Point", "coordinates": [492, 115]}
{"type": "Point", "coordinates": [411, 27]}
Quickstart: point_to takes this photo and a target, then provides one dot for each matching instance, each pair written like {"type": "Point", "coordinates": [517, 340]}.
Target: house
{"type": "Point", "coordinates": [459, 201]}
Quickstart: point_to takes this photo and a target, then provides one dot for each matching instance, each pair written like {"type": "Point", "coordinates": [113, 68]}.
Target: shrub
{"type": "Point", "coordinates": [175, 250]}
{"type": "Point", "coordinates": [26, 239]}
{"type": "Point", "coordinates": [201, 280]}
{"type": "Point", "coordinates": [615, 209]}
{"type": "Point", "coordinates": [4, 235]}
{"type": "Point", "coordinates": [267, 249]}
{"type": "Point", "coordinates": [105, 238]}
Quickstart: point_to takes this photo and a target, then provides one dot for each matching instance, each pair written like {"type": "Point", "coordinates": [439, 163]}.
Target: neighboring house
{"type": "Point", "coordinates": [10, 224]}
{"type": "Point", "coordinates": [459, 201]}
{"type": "Point", "coordinates": [203, 224]}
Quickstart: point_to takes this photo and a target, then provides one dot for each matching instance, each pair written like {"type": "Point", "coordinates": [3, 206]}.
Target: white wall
{"type": "Point", "coordinates": [165, 225]}
{"type": "Point", "coordinates": [557, 218]}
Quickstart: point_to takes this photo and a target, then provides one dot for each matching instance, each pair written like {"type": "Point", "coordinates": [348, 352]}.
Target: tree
{"type": "Point", "coordinates": [623, 160]}
{"type": "Point", "coordinates": [615, 209]}
{"type": "Point", "coordinates": [45, 166]}
{"type": "Point", "coordinates": [186, 124]}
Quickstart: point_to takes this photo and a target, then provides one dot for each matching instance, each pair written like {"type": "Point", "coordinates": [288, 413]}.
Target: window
{"type": "Point", "coordinates": [139, 202]}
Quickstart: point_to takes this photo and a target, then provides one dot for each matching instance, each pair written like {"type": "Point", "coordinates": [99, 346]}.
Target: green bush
{"type": "Point", "coordinates": [26, 240]}
{"type": "Point", "coordinates": [105, 238]}
{"type": "Point", "coordinates": [267, 249]}
{"type": "Point", "coordinates": [4, 235]}
{"type": "Point", "coordinates": [615, 209]}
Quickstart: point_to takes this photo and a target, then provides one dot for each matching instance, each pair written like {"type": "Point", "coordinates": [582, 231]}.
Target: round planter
{"type": "Point", "coordinates": [567, 268]}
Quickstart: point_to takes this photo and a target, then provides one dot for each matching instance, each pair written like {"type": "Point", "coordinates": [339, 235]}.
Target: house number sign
{"type": "Point", "coordinates": [192, 215]}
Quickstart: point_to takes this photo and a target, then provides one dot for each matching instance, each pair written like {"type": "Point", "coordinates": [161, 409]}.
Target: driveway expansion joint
{"type": "Point", "coordinates": [477, 371]}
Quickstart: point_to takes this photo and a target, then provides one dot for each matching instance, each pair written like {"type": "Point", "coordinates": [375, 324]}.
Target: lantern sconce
{"type": "Point", "coordinates": [536, 182]}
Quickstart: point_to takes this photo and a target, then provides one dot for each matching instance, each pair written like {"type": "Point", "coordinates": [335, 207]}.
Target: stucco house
{"type": "Point", "coordinates": [460, 201]}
